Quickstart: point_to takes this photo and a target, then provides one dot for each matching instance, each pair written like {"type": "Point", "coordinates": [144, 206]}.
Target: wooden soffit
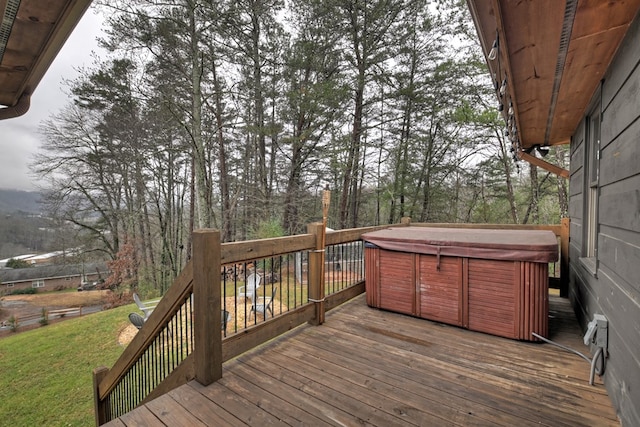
{"type": "Point", "coordinates": [552, 54]}
{"type": "Point", "coordinates": [31, 35]}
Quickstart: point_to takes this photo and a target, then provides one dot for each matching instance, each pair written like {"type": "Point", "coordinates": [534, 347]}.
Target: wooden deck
{"type": "Point", "coordinates": [370, 367]}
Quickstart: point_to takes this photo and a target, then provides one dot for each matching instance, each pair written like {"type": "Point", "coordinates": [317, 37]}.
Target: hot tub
{"type": "Point", "coordinates": [492, 281]}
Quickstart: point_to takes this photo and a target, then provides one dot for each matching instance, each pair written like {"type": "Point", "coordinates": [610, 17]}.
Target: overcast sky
{"type": "Point", "coordinates": [19, 138]}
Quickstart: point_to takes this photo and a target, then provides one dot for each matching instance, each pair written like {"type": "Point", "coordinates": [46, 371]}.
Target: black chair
{"type": "Point", "coordinates": [136, 319]}
{"type": "Point", "coordinates": [226, 316]}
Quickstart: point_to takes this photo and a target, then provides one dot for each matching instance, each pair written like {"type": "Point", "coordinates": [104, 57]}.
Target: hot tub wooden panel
{"type": "Point", "coordinates": [492, 297]}
{"type": "Point", "coordinates": [397, 273]}
{"type": "Point", "coordinates": [439, 286]}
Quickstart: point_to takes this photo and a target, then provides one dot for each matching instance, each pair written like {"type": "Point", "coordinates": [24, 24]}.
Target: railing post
{"type": "Point", "coordinates": [316, 272]}
{"type": "Point", "coordinates": [564, 257]}
{"type": "Point", "coordinates": [100, 407]}
{"type": "Point", "coordinates": [206, 306]}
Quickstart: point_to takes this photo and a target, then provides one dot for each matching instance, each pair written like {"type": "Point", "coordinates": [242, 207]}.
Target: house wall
{"type": "Point", "coordinates": [50, 283]}
{"type": "Point", "coordinates": [614, 289]}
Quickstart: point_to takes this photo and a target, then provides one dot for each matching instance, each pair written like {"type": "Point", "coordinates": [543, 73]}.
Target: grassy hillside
{"type": "Point", "coordinates": [46, 373]}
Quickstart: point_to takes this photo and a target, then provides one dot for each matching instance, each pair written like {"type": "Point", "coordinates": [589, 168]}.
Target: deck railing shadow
{"type": "Point", "coordinates": [313, 273]}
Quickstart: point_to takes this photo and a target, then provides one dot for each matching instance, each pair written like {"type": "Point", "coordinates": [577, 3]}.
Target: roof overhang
{"type": "Point", "coordinates": [551, 56]}
{"type": "Point", "coordinates": [32, 33]}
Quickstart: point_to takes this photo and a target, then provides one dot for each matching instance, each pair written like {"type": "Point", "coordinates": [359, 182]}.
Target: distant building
{"type": "Point", "coordinates": [51, 277]}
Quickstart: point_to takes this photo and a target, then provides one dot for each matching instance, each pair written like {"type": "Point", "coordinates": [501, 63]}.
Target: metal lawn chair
{"type": "Point", "coordinates": [250, 288]}
{"type": "Point", "coordinates": [146, 307]}
{"type": "Point", "coordinates": [264, 304]}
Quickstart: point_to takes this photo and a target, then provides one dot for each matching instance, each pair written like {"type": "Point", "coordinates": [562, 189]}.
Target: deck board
{"type": "Point", "coordinates": [371, 367]}
{"type": "Point", "coordinates": [204, 408]}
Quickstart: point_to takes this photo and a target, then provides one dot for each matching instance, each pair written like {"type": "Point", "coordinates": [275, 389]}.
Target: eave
{"type": "Point", "coordinates": [32, 34]}
{"type": "Point", "coordinates": [552, 55]}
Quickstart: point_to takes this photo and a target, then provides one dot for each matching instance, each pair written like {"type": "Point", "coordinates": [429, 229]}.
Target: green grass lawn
{"type": "Point", "coordinates": [46, 373]}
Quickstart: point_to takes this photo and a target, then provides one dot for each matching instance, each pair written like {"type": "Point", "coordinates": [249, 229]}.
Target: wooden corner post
{"type": "Point", "coordinates": [564, 257]}
{"type": "Point", "coordinates": [207, 306]}
{"type": "Point", "coordinates": [99, 406]}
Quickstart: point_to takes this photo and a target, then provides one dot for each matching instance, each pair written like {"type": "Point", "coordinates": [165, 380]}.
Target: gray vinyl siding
{"type": "Point", "coordinates": [615, 289]}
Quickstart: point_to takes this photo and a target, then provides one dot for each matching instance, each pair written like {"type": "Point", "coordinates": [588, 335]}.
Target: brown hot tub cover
{"type": "Point", "coordinates": [512, 245]}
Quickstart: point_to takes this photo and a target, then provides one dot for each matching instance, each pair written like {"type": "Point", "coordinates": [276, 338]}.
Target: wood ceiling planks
{"type": "Point", "coordinates": [533, 58]}
{"type": "Point", "coordinates": [38, 32]}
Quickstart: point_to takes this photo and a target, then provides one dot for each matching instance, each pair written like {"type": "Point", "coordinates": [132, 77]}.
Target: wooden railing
{"type": "Point", "coordinates": [178, 342]}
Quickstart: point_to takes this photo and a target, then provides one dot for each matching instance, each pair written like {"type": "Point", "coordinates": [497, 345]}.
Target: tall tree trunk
{"type": "Point", "coordinates": [258, 101]}
{"type": "Point", "coordinates": [425, 180]}
{"type": "Point", "coordinates": [192, 207]}
{"type": "Point", "coordinates": [142, 210]}
{"type": "Point", "coordinates": [293, 184]}
{"type": "Point", "coordinates": [290, 220]}
{"type": "Point", "coordinates": [203, 200]}
{"type": "Point", "coordinates": [222, 158]}
{"type": "Point", "coordinates": [506, 165]}
{"type": "Point", "coordinates": [534, 197]}
{"type": "Point", "coordinates": [563, 200]}
{"type": "Point", "coordinates": [350, 179]}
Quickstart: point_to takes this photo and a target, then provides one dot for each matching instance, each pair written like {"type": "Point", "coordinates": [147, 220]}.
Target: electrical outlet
{"type": "Point", "coordinates": [602, 333]}
{"type": "Point", "coordinates": [597, 332]}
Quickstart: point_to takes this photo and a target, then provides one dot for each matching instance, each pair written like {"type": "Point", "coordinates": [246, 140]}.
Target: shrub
{"type": "Point", "coordinates": [25, 291]}
{"type": "Point", "coordinates": [44, 320]}
{"type": "Point", "coordinates": [122, 269]}
{"type": "Point", "coordinates": [17, 263]}
{"type": "Point", "coordinates": [267, 229]}
{"type": "Point", "coordinates": [13, 323]}
{"type": "Point", "coordinates": [117, 298]}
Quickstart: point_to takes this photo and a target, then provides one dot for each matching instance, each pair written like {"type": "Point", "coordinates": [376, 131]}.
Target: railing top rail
{"type": "Point", "coordinates": [352, 234]}
{"type": "Point", "coordinates": [264, 248]}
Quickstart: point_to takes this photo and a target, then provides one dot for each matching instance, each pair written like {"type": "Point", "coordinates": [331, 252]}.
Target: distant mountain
{"type": "Point", "coordinates": [19, 201]}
